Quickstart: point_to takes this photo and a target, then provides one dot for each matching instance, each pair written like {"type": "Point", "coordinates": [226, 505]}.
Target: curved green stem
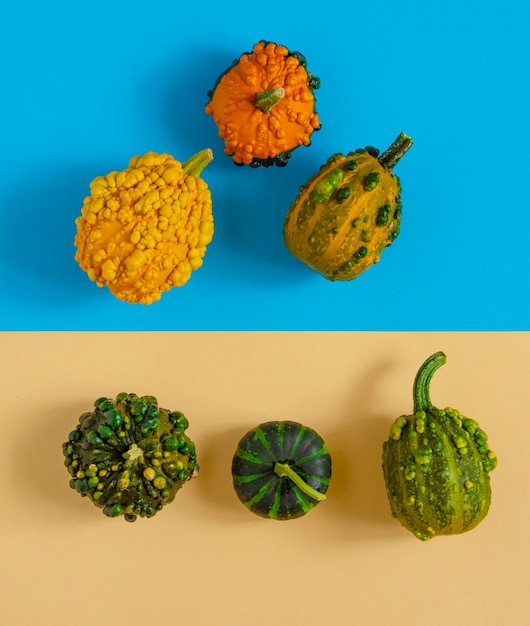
{"type": "Point", "coordinates": [267, 99]}
{"type": "Point", "coordinates": [194, 165]}
{"type": "Point", "coordinates": [390, 157]}
{"type": "Point", "coordinates": [284, 469]}
{"type": "Point", "coordinates": [422, 399]}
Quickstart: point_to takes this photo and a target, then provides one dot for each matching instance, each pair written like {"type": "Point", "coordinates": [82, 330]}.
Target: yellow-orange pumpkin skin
{"type": "Point", "coordinates": [264, 105]}
{"type": "Point", "coordinates": [347, 213]}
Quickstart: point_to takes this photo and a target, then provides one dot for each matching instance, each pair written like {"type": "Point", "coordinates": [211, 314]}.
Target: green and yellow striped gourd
{"type": "Point", "coordinates": [348, 212]}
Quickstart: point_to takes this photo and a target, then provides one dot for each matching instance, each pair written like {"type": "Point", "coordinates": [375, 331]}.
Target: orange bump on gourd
{"type": "Point", "coordinates": [145, 229]}
{"type": "Point", "coordinates": [264, 105]}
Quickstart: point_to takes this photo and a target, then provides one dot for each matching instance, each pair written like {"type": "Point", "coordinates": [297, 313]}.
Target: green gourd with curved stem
{"type": "Point", "coordinates": [436, 465]}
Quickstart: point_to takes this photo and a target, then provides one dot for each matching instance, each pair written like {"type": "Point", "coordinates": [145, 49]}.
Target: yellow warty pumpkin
{"type": "Point", "coordinates": [348, 212]}
{"type": "Point", "coordinates": [145, 229]}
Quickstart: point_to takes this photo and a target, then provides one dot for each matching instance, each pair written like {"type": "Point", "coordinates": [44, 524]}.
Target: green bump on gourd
{"type": "Point", "coordinates": [436, 465]}
{"type": "Point", "coordinates": [129, 456]}
{"type": "Point", "coordinates": [361, 252]}
{"type": "Point", "coordinates": [371, 181]}
{"type": "Point", "coordinates": [351, 165]}
{"type": "Point", "coordinates": [383, 215]}
{"type": "Point", "coordinates": [343, 194]}
{"type": "Point", "coordinates": [325, 188]}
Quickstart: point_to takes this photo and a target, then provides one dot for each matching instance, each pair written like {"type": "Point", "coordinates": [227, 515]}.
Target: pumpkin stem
{"type": "Point", "coordinates": [284, 469]}
{"type": "Point", "coordinates": [389, 158]}
{"type": "Point", "coordinates": [267, 99]}
{"type": "Point", "coordinates": [194, 165]}
{"type": "Point", "coordinates": [133, 454]}
{"type": "Point", "coordinates": [422, 400]}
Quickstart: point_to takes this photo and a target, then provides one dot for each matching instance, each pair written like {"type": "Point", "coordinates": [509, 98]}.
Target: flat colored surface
{"type": "Point", "coordinates": [205, 559]}
{"type": "Point", "coordinates": [85, 86]}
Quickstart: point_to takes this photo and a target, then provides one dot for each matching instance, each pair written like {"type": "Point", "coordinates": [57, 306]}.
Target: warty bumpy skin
{"type": "Point", "coordinates": [145, 229]}
{"type": "Point", "coordinates": [129, 456]}
{"type": "Point", "coordinates": [436, 465]}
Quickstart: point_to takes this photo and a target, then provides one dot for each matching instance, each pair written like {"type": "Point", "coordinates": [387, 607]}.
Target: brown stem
{"type": "Point", "coordinates": [389, 158]}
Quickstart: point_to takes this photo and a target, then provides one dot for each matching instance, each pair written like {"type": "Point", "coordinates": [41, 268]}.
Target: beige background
{"type": "Point", "coordinates": [206, 560]}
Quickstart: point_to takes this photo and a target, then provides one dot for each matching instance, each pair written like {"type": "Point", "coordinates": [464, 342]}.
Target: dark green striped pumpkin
{"type": "Point", "coordinates": [436, 465]}
{"type": "Point", "coordinates": [281, 470]}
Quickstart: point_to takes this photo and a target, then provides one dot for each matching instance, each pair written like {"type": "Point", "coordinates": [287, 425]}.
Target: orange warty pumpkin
{"type": "Point", "coordinates": [264, 105]}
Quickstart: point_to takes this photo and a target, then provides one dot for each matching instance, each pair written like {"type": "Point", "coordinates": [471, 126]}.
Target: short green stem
{"type": "Point", "coordinates": [285, 470]}
{"type": "Point", "coordinates": [195, 165]}
{"type": "Point", "coordinates": [421, 395]}
{"type": "Point", "coordinates": [389, 158]}
{"type": "Point", "coordinates": [267, 99]}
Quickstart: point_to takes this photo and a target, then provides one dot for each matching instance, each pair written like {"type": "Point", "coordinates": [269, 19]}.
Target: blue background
{"type": "Point", "coordinates": [85, 86]}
